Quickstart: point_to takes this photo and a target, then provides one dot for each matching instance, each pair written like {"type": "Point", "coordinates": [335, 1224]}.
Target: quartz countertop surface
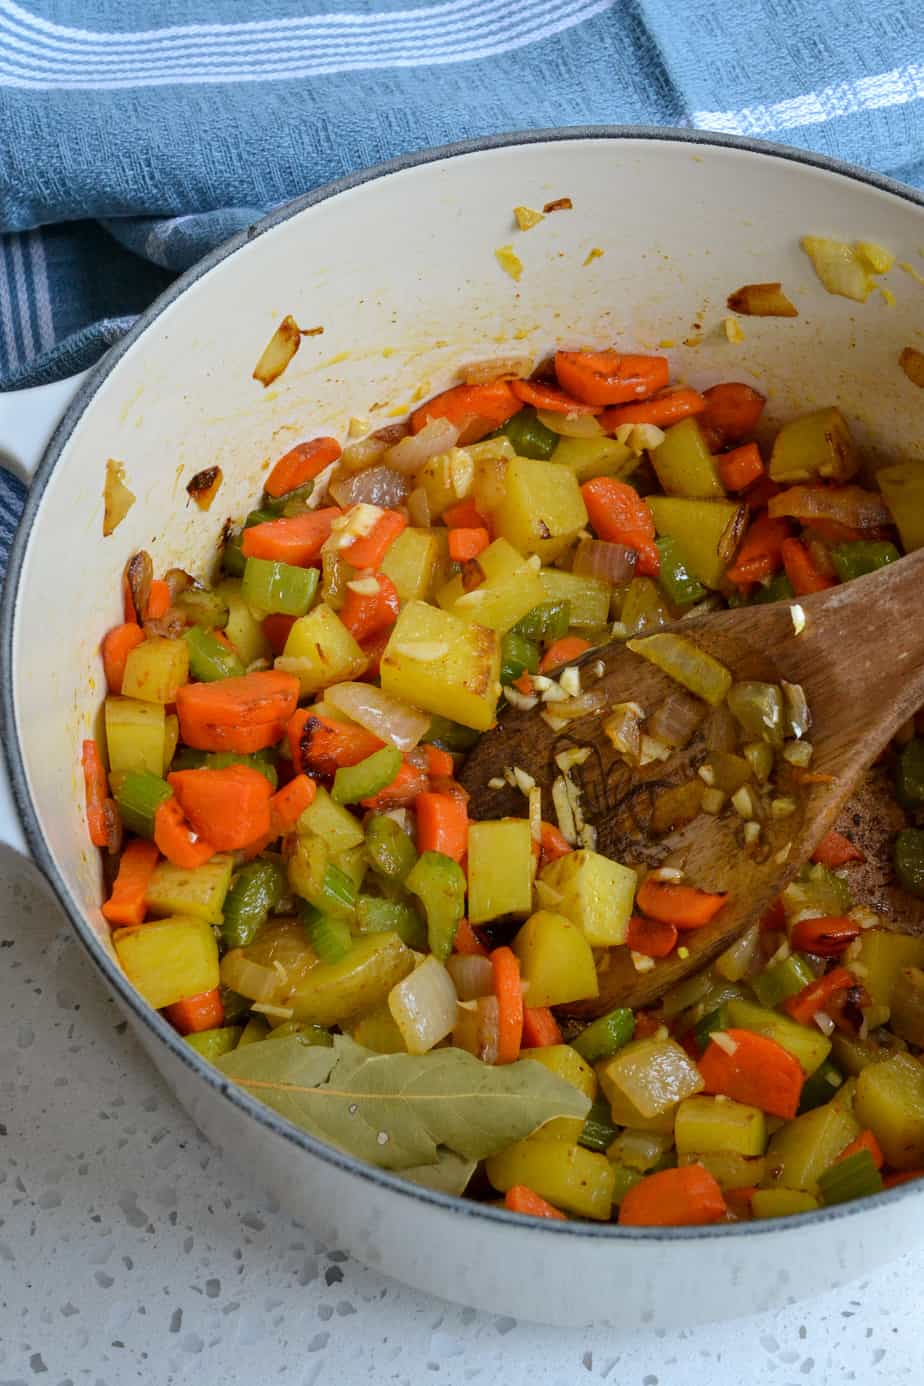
{"type": "Point", "coordinates": [132, 1251]}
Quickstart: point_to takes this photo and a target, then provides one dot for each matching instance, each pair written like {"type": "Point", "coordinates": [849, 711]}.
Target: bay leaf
{"type": "Point", "coordinates": [449, 1175]}
{"type": "Point", "coordinates": [397, 1110]}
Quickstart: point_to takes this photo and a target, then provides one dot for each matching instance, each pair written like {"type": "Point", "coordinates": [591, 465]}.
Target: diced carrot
{"type": "Point", "coordinates": [553, 843]}
{"type": "Point", "coordinates": [158, 601]}
{"type": "Point", "coordinates": [834, 532]}
{"type": "Point", "coordinates": [865, 1141]}
{"type": "Point", "coordinates": [826, 935]}
{"type": "Point", "coordinates": [550, 398]}
{"type": "Point", "coordinates": [276, 629]}
{"type": "Point", "coordinates": [655, 938]}
{"type": "Point", "coordinates": [562, 651]}
{"type": "Point", "coordinates": [760, 493]}
{"type": "Point", "coordinates": [902, 1176]}
{"type": "Point", "coordinates": [229, 807]}
{"type": "Point", "coordinates": [295, 539]}
{"type": "Point", "coordinates": [509, 995]}
{"type": "Point", "coordinates": [300, 464]}
{"type": "Point", "coordinates": [520, 1199]}
{"type": "Point", "coordinates": [410, 781]}
{"type": "Point", "coordinates": [289, 803]}
{"type": "Point", "coordinates": [465, 515]}
{"type": "Point", "coordinates": [661, 410]}
{"type": "Point", "coordinates": [439, 762]}
{"type": "Point", "coordinates": [835, 850]}
{"type": "Point", "coordinates": [540, 1028]}
{"type": "Point", "coordinates": [239, 714]}
{"type": "Point", "coordinates": [818, 995]}
{"type": "Point", "coordinates": [647, 1023]}
{"type": "Point", "coordinates": [610, 377]}
{"type": "Point", "coordinates": [202, 1012]}
{"type": "Point", "coordinates": [760, 1073]}
{"type": "Point", "coordinates": [467, 941]}
{"type": "Point", "coordinates": [117, 645]}
{"type": "Point", "coordinates": [760, 553]}
{"type": "Point", "coordinates": [524, 684]}
{"type": "Point", "coordinates": [801, 570]}
{"type": "Point", "coordinates": [685, 1197]}
{"type": "Point", "coordinates": [176, 839]}
{"type": "Point", "coordinates": [621, 516]}
{"type": "Point", "coordinates": [733, 409]}
{"type": "Point", "coordinates": [97, 791]}
{"type": "Point", "coordinates": [476, 409]}
{"type": "Point", "coordinates": [741, 467]}
{"type": "Point", "coordinates": [320, 746]}
{"type": "Point", "coordinates": [683, 905]}
{"type": "Point", "coordinates": [442, 825]}
{"type": "Point", "coordinates": [126, 903]}
{"type": "Point", "coordinates": [467, 543]}
{"type": "Point", "coordinates": [365, 614]}
{"type": "Point", "coordinates": [369, 550]}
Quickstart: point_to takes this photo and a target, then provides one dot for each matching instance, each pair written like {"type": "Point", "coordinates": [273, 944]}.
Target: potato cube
{"type": "Point", "coordinates": [542, 509]}
{"type": "Point", "coordinates": [169, 960]}
{"type": "Point", "coordinates": [411, 563]}
{"type": "Point", "coordinates": [588, 597]}
{"type": "Point", "coordinates": [510, 588]}
{"type": "Point", "coordinates": [815, 445]}
{"type": "Point", "coordinates": [708, 1123]}
{"type": "Point", "coordinates": [500, 869]}
{"type": "Point", "coordinates": [198, 893]}
{"type": "Point", "coordinates": [597, 894]}
{"type": "Point", "coordinates": [320, 651]}
{"type": "Point", "coordinates": [698, 527]}
{"type": "Point", "coordinates": [155, 669]}
{"type": "Point", "coordinates": [435, 661]}
{"type": "Point", "coordinates": [571, 1178]}
{"type": "Point", "coordinates": [135, 735]}
{"type": "Point", "coordinates": [890, 1101]}
{"type": "Point", "coordinates": [556, 960]}
{"type": "Point", "coordinates": [568, 1064]}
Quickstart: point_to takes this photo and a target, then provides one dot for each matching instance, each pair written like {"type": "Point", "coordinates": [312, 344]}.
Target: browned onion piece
{"type": "Point", "coordinates": [675, 721]}
{"type": "Point", "coordinates": [732, 534]}
{"type": "Point", "coordinates": [167, 627]}
{"type": "Point", "coordinates": [390, 433]}
{"type": "Point", "coordinates": [204, 486]}
{"type": "Point", "coordinates": [613, 562]}
{"type": "Point", "coordinates": [847, 505]}
{"type": "Point", "coordinates": [279, 351]}
{"type": "Point", "coordinates": [139, 573]}
{"type": "Point", "coordinates": [584, 705]}
{"type": "Point", "coordinates": [378, 486]}
{"type": "Point", "coordinates": [501, 368]}
{"type": "Point", "coordinates": [912, 363]}
{"type": "Point", "coordinates": [436, 436]}
{"type": "Point", "coordinates": [178, 580]}
{"type": "Point", "coordinates": [762, 301]}
{"type": "Point", "coordinates": [365, 452]}
{"type": "Point", "coordinates": [117, 498]}
{"type": "Point", "coordinates": [721, 732]}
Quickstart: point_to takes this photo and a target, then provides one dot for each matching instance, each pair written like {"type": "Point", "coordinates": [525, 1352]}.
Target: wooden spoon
{"type": "Point", "coordinates": [859, 659]}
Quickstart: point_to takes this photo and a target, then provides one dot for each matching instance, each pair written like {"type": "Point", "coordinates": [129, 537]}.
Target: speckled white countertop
{"type": "Point", "coordinates": [130, 1251]}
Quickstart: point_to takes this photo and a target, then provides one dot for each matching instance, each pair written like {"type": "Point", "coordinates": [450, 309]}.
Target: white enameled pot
{"type": "Point", "coordinates": [399, 268]}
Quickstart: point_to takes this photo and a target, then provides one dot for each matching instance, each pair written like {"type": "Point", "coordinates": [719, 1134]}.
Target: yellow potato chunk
{"type": "Point", "coordinates": [169, 960]}
{"type": "Point", "coordinates": [435, 661]}
{"type": "Point", "coordinates": [542, 509]}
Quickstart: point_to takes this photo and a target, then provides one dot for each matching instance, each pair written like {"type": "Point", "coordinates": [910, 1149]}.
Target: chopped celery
{"type": "Point", "coordinates": [908, 860]}
{"type": "Point", "coordinates": [272, 588]}
{"type": "Point", "coordinates": [355, 782]}
{"type": "Point", "coordinates": [202, 607]}
{"type": "Point", "coordinates": [782, 979]}
{"type": "Point", "coordinates": [528, 435]}
{"type": "Point", "coordinates": [235, 1006]}
{"type": "Point", "coordinates": [599, 1128]}
{"type": "Point", "coordinates": [862, 556]}
{"type": "Point", "coordinates": [909, 774]}
{"type": "Point", "coordinates": [374, 915]}
{"type": "Point", "coordinates": [702, 529]}
{"type": "Point", "coordinates": [188, 759]}
{"type": "Point", "coordinates": [233, 561]}
{"type": "Point", "coordinates": [684, 464]}
{"type": "Point", "coordinates": [389, 848]}
{"type": "Point", "coordinates": [439, 883]}
{"type": "Point", "coordinates": [135, 735]}
{"type": "Point", "coordinates": [680, 586]}
{"type": "Point", "coordinates": [316, 879]}
{"type": "Point", "coordinates": [330, 938]}
{"type": "Point", "coordinates": [854, 1177]}
{"type": "Point", "coordinates": [547, 621]}
{"type": "Point", "coordinates": [294, 502]}
{"type": "Point", "coordinates": [604, 1036]}
{"type": "Point", "coordinates": [243, 629]}
{"type": "Point", "coordinates": [450, 736]}
{"type": "Point", "coordinates": [198, 892]}
{"type": "Point", "coordinates": [257, 889]}
{"type": "Point", "coordinates": [711, 1123]}
{"type": "Point", "coordinates": [518, 656]}
{"type": "Point", "coordinates": [775, 589]}
{"type": "Point", "coordinates": [211, 1044]}
{"type": "Point", "coordinates": [139, 796]}
{"type": "Point", "coordinates": [819, 1089]}
{"type": "Point", "coordinates": [781, 1203]}
{"type": "Point", "coordinates": [209, 659]}
{"type": "Point", "coordinates": [804, 1042]}
{"type": "Point", "coordinates": [758, 708]}
{"type": "Point", "coordinates": [687, 664]}
{"type": "Point", "coordinates": [353, 862]}
{"type": "Point", "coordinates": [337, 828]}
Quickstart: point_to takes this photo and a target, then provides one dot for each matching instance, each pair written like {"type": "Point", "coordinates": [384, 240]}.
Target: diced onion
{"type": "Point", "coordinates": [477, 1029]}
{"type": "Point", "coordinates": [250, 979]}
{"type": "Point", "coordinates": [501, 368]}
{"type": "Point", "coordinates": [675, 721]}
{"type": "Point", "coordinates": [279, 351]}
{"type": "Point", "coordinates": [613, 562]}
{"type": "Point", "coordinates": [386, 717]}
{"type": "Point", "coordinates": [762, 301]}
{"type": "Point", "coordinates": [735, 961]}
{"type": "Point", "coordinates": [436, 436]}
{"type": "Point", "coordinates": [424, 1006]}
{"type": "Point", "coordinates": [378, 486]}
{"type": "Point", "coordinates": [848, 505]}
{"type": "Point", "coordinates": [364, 453]}
{"type": "Point", "coordinates": [912, 363]}
{"type": "Point", "coordinates": [584, 705]}
{"type": "Point", "coordinates": [571, 425]}
{"type": "Point", "coordinates": [473, 976]}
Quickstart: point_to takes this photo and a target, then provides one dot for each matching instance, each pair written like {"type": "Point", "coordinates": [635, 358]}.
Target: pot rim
{"type": "Point", "coordinates": [113, 975]}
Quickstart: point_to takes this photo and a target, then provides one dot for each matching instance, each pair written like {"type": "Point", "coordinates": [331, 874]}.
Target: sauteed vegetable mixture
{"type": "Point", "coordinates": [293, 878]}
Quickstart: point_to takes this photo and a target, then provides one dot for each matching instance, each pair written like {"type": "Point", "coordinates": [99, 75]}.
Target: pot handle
{"type": "Point", "coordinates": [28, 418]}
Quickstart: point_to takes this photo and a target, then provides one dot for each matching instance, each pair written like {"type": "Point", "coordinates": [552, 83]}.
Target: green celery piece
{"type": "Point", "coordinates": [311, 1035]}
{"type": "Point", "coordinates": [355, 782]}
{"type": "Point", "coordinates": [330, 938]}
{"type": "Point", "coordinates": [908, 860]}
{"type": "Point", "coordinates": [528, 435]}
{"type": "Point", "coordinates": [605, 1035]}
{"type": "Point", "coordinates": [438, 881]}
{"type": "Point", "coordinates": [909, 774]}
{"type": "Point", "coordinates": [854, 1177]}
{"type": "Point", "coordinates": [188, 759]}
{"type": "Point", "coordinates": [295, 502]}
{"type": "Point", "coordinates": [547, 621]}
{"type": "Point", "coordinates": [781, 980]}
{"type": "Point", "coordinates": [139, 796]}
{"type": "Point", "coordinates": [450, 736]}
{"type": "Point", "coordinates": [626, 1179]}
{"type": "Point", "coordinates": [518, 656]}
{"type": "Point", "coordinates": [680, 586]}
{"type": "Point", "coordinates": [389, 848]}
{"type": "Point", "coordinates": [819, 1089]}
{"type": "Point", "coordinates": [338, 893]}
{"type": "Point", "coordinates": [278, 588]}
{"type": "Point", "coordinates": [863, 556]}
{"type": "Point", "coordinates": [255, 891]}
{"type": "Point", "coordinates": [715, 1020]}
{"type": "Point", "coordinates": [212, 1044]}
{"type": "Point", "coordinates": [375, 916]}
{"type": "Point", "coordinates": [599, 1131]}
{"type": "Point", "coordinates": [778, 589]}
{"type": "Point", "coordinates": [209, 659]}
